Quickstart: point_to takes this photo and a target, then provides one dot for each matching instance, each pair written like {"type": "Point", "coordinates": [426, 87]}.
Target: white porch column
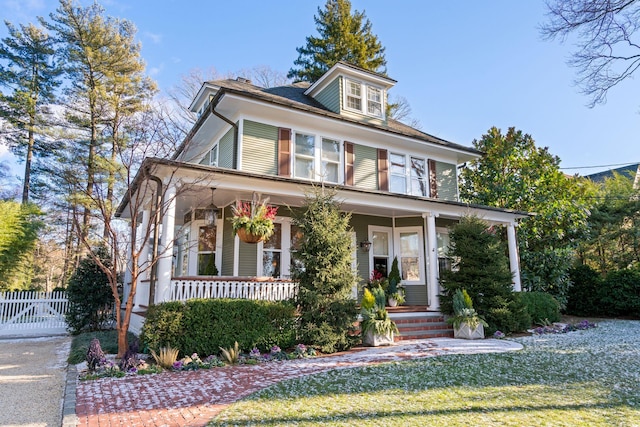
{"type": "Point", "coordinates": [165, 252]}
{"type": "Point", "coordinates": [142, 244]}
{"type": "Point", "coordinates": [433, 287]}
{"type": "Point", "coordinates": [514, 261]}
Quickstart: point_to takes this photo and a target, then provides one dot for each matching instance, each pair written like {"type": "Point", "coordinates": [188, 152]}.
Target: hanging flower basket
{"type": "Point", "coordinates": [252, 221]}
{"type": "Point", "coordinates": [247, 237]}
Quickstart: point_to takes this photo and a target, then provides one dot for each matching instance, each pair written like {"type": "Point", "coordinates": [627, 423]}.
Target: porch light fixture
{"type": "Point", "coordinates": [211, 213]}
{"type": "Point", "coordinates": [365, 245]}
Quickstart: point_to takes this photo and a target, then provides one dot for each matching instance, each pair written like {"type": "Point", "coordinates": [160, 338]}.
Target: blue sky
{"type": "Point", "coordinates": [464, 66]}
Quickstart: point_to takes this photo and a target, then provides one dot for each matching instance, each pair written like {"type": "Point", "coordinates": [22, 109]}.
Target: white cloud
{"type": "Point", "coordinates": [155, 38]}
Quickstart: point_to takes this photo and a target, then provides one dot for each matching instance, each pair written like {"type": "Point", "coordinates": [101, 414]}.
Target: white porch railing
{"type": "Point", "coordinates": [30, 312]}
{"type": "Point", "coordinates": [185, 288]}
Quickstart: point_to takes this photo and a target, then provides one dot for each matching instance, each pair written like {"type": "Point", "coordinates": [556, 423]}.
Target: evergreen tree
{"type": "Point", "coordinates": [344, 36]}
{"type": "Point", "coordinates": [89, 293]}
{"type": "Point", "coordinates": [481, 267]}
{"type": "Point", "coordinates": [322, 267]}
{"type": "Point", "coordinates": [31, 75]}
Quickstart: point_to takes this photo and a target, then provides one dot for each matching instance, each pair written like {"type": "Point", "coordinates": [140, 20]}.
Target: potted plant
{"type": "Point", "coordinates": [466, 322]}
{"type": "Point", "coordinates": [395, 290]}
{"type": "Point", "coordinates": [376, 327]}
{"type": "Point", "coordinates": [253, 222]}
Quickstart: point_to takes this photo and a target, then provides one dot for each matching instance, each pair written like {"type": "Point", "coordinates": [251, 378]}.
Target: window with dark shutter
{"type": "Point", "coordinates": [433, 181]}
{"type": "Point", "coordinates": [284, 152]}
{"type": "Point", "coordinates": [383, 170]}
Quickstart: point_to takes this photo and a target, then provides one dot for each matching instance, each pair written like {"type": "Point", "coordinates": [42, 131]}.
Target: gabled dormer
{"type": "Point", "coordinates": [353, 92]}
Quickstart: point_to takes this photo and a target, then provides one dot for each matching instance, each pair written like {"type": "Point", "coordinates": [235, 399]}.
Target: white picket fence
{"type": "Point", "coordinates": [33, 313]}
{"type": "Point", "coordinates": [270, 290]}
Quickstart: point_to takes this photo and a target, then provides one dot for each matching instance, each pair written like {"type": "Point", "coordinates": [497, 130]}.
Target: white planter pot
{"type": "Point", "coordinates": [393, 302]}
{"type": "Point", "coordinates": [465, 332]}
{"type": "Point", "coordinates": [375, 340]}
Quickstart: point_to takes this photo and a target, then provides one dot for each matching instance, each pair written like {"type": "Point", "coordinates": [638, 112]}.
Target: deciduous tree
{"type": "Point", "coordinates": [606, 40]}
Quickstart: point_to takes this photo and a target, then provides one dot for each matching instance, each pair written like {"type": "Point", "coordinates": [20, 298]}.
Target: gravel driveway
{"type": "Point", "coordinates": [32, 381]}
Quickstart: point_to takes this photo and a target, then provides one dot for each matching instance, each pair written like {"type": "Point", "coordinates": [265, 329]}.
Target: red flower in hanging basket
{"type": "Point", "coordinates": [253, 222]}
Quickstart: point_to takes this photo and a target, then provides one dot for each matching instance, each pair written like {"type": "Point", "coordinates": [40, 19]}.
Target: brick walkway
{"type": "Point", "coordinates": [194, 398]}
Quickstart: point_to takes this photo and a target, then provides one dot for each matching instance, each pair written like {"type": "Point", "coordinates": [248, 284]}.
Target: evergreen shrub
{"type": "Point", "coordinates": [541, 306]}
{"type": "Point", "coordinates": [90, 296]}
{"type": "Point", "coordinates": [482, 268]}
{"type": "Point", "coordinates": [621, 293]}
{"type": "Point", "coordinates": [204, 325]}
{"type": "Point", "coordinates": [585, 296]}
{"type": "Point", "coordinates": [323, 270]}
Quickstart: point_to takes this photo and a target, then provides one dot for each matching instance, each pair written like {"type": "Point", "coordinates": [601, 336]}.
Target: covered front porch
{"type": "Point", "coordinates": [197, 255]}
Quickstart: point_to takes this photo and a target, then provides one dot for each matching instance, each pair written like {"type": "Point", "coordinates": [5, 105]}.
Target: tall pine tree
{"type": "Point", "coordinates": [323, 270]}
{"type": "Point", "coordinates": [344, 36]}
{"type": "Point", "coordinates": [32, 76]}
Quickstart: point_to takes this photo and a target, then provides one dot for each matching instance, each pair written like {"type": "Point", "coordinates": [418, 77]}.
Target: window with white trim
{"type": "Point", "coordinates": [419, 183]}
{"type": "Point", "coordinates": [398, 172]}
{"type": "Point", "coordinates": [316, 160]}
{"type": "Point", "coordinates": [272, 253]}
{"type": "Point", "coordinates": [363, 98]}
{"type": "Point", "coordinates": [374, 101]}
{"type": "Point", "coordinates": [207, 250]}
{"type": "Point", "coordinates": [330, 160]}
{"type": "Point", "coordinates": [354, 95]}
{"type": "Point", "coordinates": [304, 156]}
{"type": "Point", "coordinates": [211, 158]}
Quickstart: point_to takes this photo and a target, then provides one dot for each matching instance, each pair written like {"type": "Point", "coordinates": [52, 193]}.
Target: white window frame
{"type": "Point", "coordinates": [365, 97]}
{"type": "Point", "coordinates": [370, 101]}
{"type": "Point", "coordinates": [285, 250]}
{"type": "Point", "coordinates": [425, 178]}
{"type": "Point", "coordinates": [318, 172]}
{"type": "Point", "coordinates": [389, 230]}
{"type": "Point", "coordinates": [193, 229]}
{"type": "Point", "coordinates": [421, 256]}
{"type": "Point", "coordinates": [403, 175]}
{"type": "Point", "coordinates": [349, 83]}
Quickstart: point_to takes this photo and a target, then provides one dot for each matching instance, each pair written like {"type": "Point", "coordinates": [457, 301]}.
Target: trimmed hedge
{"type": "Point", "coordinates": [541, 306]}
{"type": "Point", "coordinates": [618, 294]}
{"type": "Point", "coordinates": [204, 325]}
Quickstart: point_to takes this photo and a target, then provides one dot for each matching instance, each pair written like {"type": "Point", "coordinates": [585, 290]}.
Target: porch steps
{"type": "Point", "coordinates": [420, 325]}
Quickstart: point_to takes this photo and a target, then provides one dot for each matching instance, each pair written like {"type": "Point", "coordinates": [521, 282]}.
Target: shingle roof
{"type": "Point", "coordinates": [293, 96]}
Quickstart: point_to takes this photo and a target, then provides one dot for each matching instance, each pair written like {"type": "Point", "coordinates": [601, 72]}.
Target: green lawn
{"type": "Point", "coordinates": [583, 378]}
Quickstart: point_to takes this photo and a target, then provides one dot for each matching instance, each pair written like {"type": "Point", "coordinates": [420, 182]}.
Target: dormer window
{"type": "Point", "coordinates": [354, 95]}
{"type": "Point", "coordinates": [374, 101]}
{"type": "Point", "coordinates": [363, 98]}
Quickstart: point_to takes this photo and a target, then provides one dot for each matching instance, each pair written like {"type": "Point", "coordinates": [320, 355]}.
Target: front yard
{"type": "Point", "coordinates": [581, 378]}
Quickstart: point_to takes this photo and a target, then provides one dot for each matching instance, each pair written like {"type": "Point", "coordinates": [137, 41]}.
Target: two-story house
{"type": "Point", "coordinates": [249, 143]}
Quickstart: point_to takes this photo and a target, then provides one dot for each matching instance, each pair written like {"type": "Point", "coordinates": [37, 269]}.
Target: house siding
{"type": "Point", "coordinates": [416, 294]}
{"type": "Point", "coordinates": [330, 96]}
{"type": "Point", "coordinates": [226, 150]}
{"type": "Point", "coordinates": [260, 148]}
{"type": "Point", "coordinates": [247, 263]}
{"type": "Point", "coordinates": [365, 170]}
{"type": "Point", "coordinates": [446, 180]}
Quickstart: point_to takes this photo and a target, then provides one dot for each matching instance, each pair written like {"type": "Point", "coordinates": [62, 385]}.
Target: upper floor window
{"type": "Point", "coordinates": [316, 160]}
{"type": "Point", "coordinates": [418, 177]}
{"type": "Point", "coordinates": [374, 101]}
{"type": "Point", "coordinates": [398, 166]}
{"type": "Point", "coordinates": [408, 178]}
{"type": "Point", "coordinates": [363, 98]}
{"type": "Point", "coordinates": [354, 95]}
{"type": "Point", "coordinates": [211, 158]}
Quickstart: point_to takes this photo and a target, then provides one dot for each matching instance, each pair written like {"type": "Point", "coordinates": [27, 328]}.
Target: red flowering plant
{"type": "Point", "coordinates": [378, 279]}
{"type": "Point", "coordinates": [254, 218]}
